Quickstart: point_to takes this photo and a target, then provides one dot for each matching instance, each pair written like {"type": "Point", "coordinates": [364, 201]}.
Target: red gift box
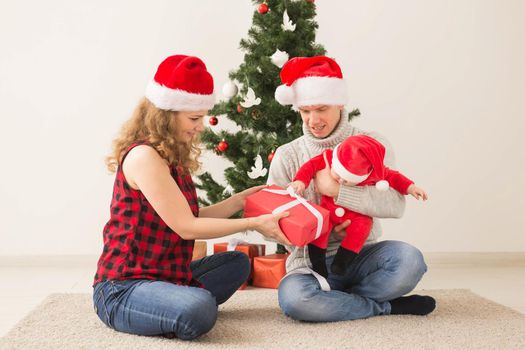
{"type": "Point", "coordinates": [300, 227]}
{"type": "Point", "coordinates": [268, 270]}
{"type": "Point", "coordinates": [250, 249]}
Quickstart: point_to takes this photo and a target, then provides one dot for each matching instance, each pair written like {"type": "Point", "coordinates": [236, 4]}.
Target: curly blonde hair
{"type": "Point", "coordinates": [158, 127]}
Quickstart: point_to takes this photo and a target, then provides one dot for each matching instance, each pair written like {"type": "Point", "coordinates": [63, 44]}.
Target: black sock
{"type": "Point", "coordinates": [318, 258]}
{"type": "Point", "coordinates": [343, 258]}
{"type": "Point", "coordinates": [413, 305]}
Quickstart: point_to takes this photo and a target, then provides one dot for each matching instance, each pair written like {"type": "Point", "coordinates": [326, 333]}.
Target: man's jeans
{"type": "Point", "coordinates": [148, 307]}
{"type": "Point", "coordinates": [381, 272]}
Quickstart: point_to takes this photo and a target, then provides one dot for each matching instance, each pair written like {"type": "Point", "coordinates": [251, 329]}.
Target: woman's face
{"type": "Point", "coordinates": [321, 120]}
{"type": "Point", "coordinates": [189, 124]}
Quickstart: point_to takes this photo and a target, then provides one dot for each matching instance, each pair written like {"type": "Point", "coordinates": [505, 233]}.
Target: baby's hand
{"type": "Point", "coordinates": [417, 192]}
{"type": "Point", "coordinates": [298, 187]}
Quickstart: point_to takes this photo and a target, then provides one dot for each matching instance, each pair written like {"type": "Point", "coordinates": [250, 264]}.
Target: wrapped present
{"type": "Point", "coordinates": [268, 270]}
{"type": "Point", "coordinates": [199, 250]}
{"type": "Point", "coordinates": [250, 249]}
{"type": "Point", "coordinates": [306, 222]}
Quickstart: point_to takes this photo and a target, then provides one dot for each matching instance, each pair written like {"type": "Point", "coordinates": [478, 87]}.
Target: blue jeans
{"type": "Point", "coordinates": [148, 307]}
{"type": "Point", "coordinates": [381, 272]}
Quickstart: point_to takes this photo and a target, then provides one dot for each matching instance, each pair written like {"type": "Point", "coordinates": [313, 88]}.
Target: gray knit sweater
{"type": "Point", "coordinates": [362, 199]}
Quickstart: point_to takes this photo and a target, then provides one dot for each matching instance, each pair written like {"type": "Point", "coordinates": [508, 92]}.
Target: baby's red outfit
{"type": "Point", "coordinates": [357, 232]}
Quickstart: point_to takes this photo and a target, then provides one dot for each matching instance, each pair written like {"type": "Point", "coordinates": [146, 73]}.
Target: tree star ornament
{"type": "Point", "coordinates": [250, 99]}
{"type": "Point", "coordinates": [287, 23]}
{"type": "Point", "coordinates": [257, 170]}
{"type": "Point", "coordinates": [230, 89]}
{"type": "Point", "coordinates": [279, 58]}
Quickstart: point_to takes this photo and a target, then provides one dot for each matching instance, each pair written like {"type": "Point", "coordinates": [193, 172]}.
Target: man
{"type": "Point", "coordinates": [383, 271]}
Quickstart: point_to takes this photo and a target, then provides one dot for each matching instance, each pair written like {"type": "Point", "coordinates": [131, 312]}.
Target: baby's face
{"type": "Point", "coordinates": [340, 180]}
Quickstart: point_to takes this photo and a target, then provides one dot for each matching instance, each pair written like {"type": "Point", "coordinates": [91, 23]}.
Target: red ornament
{"type": "Point", "coordinates": [270, 156]}
{"type": "Point", "coordinates": [213, 120]}
{"type": "Point", "coordinates": [222, 146]}
{"type": "Point", "coordinates": [239, 108]}
{"type": "Point", "coordinates": [263, 8]}
{"type": "Point", "coordinates": [310, 1]}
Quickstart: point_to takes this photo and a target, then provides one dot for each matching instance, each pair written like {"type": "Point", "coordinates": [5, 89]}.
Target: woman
{"type": "Point", "coordinates": [145, 282]}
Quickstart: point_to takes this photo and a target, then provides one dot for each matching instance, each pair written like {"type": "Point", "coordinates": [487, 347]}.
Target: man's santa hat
{"type": "Point", "coordinates": [181, 83]}
{"type": "Point", "coordinates": [309, 81]}
{"type": "Point", "coordinates": [358, 158]}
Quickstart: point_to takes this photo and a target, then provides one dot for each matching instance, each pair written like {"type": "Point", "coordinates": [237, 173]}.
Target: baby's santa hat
{"type": "Point", "coordinates": [357, 157]}
{"type": "Point", "coordinates": [309, 81]}
{"type": "Point", "coordinates": [182, 83]}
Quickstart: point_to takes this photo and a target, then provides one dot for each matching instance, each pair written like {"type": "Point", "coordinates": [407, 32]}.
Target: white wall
{"type": "Point", "coordinates": [441, 80]}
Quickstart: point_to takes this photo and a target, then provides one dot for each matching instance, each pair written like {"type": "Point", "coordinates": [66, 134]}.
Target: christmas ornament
{"type": "Point", "coordinates": [257, 170]}
{"type": "Point", "coordinates": [310, 1]}
{"type": "Point", "coordinates": [255, 114]}
{"type": "Point", "coordinates": [263, 8]}
{"type": "Point", "coordinates": [270, 156]}
{"type": "Point", "coordinates": [222, 146]}
{"type": "Point", "coordinates": [250, 99]}
{"type": "Point", "coordinates": [213, 120]}
{"type": "Point", "coordinates": [229, 89]}
{"type": "Point", "coordinates": [287, 23]}
{"type": "Point", "coordinates": [239, 108]}
{"type": "Point", "coordinates": [228, 190]}
{"type": "Point", "coordinates": [279, 58]}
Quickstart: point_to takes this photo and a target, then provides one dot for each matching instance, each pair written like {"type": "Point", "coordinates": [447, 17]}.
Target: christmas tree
{"type": "Point", "coordinates": [281, 29]}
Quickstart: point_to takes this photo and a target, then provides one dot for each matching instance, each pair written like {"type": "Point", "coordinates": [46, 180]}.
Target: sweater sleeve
{"type": "Point", "coordinates": [308, 170]}
{"type": "Point", "coordinates": [368, 200]}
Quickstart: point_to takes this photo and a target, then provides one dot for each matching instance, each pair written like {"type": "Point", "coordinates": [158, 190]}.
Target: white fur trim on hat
{"type": "Point", "coordinates": [311, 91]}
{"type": "Point", "coordinates": [343, 173]}
{"type": "Point", "coordinates": [177, 100]}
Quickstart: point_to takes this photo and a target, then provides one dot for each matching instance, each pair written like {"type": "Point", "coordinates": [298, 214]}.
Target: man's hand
{"type": "Point", "coordinates": [340, 229]}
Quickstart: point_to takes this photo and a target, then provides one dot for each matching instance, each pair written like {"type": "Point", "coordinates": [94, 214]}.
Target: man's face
{"type": "Point", "coordinates": [321, 120]}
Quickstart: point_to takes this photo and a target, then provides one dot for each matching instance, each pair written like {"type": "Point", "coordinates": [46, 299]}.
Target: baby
{"type": "Point", "coordinates": [357, 161]}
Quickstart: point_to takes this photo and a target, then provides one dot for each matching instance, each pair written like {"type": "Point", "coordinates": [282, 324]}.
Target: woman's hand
{"type": "Point", "coordinates": [240, 197]}
{"type": "Point", "coordinates": [268, 226]}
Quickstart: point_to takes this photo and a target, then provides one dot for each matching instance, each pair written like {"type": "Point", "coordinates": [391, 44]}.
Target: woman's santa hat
{"type": "Point", "coordinates": [358, 158]}
{"type": "Point", "coordinates": [309, 81]}
{"type": "Point", "coordinates": [181, 83]}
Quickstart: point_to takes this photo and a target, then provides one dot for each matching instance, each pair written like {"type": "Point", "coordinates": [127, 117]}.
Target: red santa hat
{"type": "Point", "coordinates": [311, 81]}
{"type": "Point", "coordinates": [181, 83]}
{"type": "Point", "coordinates": [357, 157]}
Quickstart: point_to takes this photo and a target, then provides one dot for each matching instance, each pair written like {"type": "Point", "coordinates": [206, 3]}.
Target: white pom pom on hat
{"type": "Point", "coordinates": [285, 95]}
{"type": "Point", "coordinates": [382, 185]}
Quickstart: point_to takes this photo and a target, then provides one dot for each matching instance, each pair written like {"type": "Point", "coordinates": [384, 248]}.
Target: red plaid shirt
{"type": "Point", "coordinates": [137, 242]}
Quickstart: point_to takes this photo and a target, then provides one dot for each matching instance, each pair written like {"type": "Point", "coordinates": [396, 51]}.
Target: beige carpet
{"type": "Point", "coordinates": [251, 319]}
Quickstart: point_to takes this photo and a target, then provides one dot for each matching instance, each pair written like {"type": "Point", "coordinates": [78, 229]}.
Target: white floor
{"type": "Point", "coordinates": [26, 281]}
